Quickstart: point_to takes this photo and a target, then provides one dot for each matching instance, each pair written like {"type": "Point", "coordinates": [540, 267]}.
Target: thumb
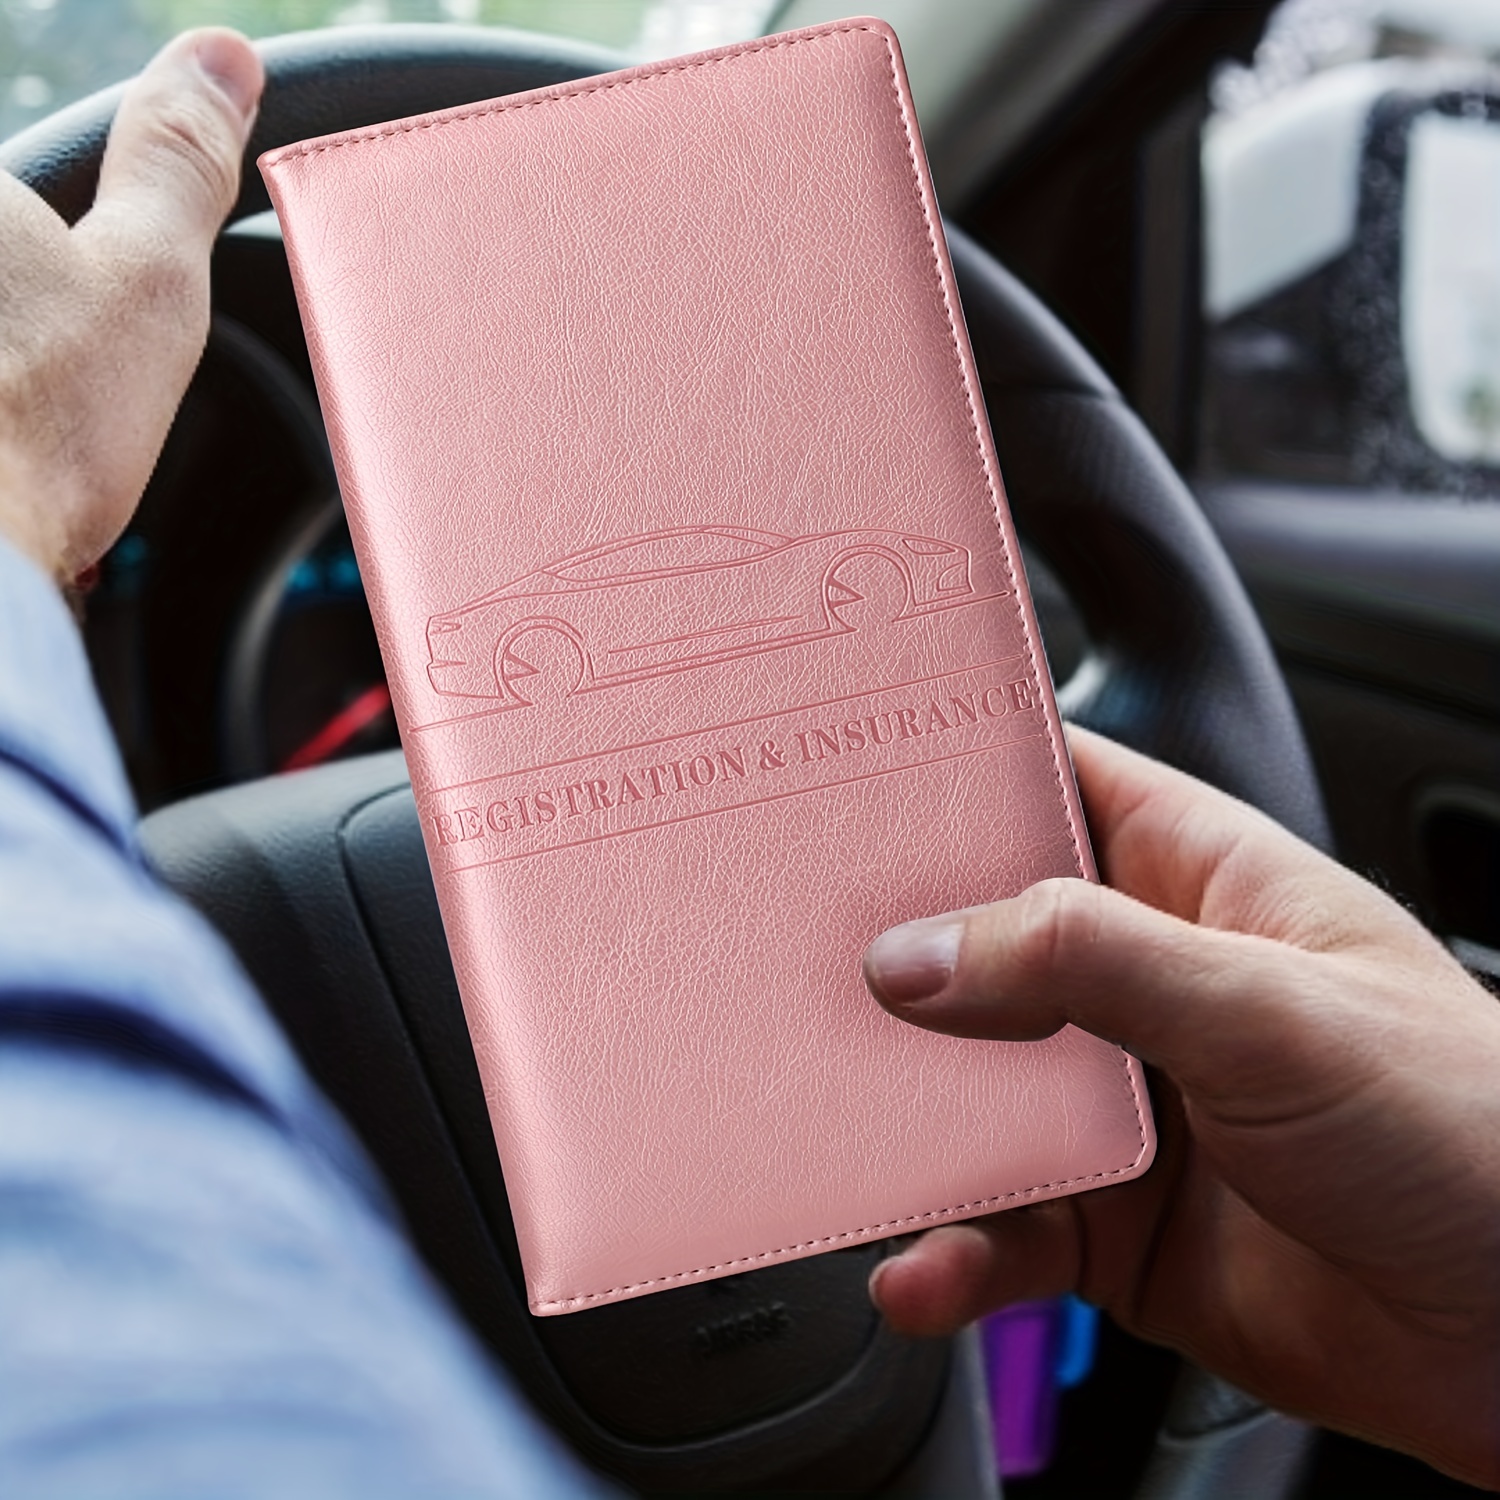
{"type": "Point", "coordinates": [1218, 1011]}
{"type": "Point", "coordinates": [171, 171]}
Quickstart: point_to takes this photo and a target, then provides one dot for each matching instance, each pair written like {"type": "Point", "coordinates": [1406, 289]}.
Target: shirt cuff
{"type": "Point", "coordinates": [51, 721]}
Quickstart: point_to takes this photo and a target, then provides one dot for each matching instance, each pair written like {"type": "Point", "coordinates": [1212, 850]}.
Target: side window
{"type": "Point", "coordinates": [1351, 181]}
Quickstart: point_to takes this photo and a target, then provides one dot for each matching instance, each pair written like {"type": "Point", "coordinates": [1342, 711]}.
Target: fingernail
{"type": "Point", "coordinates": [914, 960]}
{"type": "Point", "coordinates": [876, 1277]}
{"type": "Point", "coordinates": [230, 65]}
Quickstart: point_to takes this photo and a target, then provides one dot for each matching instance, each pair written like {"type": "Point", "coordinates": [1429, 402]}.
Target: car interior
{"type": "Point", "coordinates": [1232, 276]}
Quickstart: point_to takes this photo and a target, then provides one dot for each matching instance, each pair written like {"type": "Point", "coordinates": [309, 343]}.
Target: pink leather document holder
{"type": "Point", "coordinates": [669, 476]}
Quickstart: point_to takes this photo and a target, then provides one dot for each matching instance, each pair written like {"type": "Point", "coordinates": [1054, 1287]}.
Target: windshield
{"type": "Point", "coordinates": [55, 51]}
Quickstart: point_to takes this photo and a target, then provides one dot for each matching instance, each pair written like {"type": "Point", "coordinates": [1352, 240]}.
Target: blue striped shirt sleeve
{"type": "Point", "coordinates": [202, 1290]}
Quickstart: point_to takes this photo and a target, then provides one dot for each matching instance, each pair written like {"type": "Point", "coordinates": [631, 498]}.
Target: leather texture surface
{"type": "Point", "coordinates": [779, 1379]}
{"type": "Point", "coordinates": [684, 538]}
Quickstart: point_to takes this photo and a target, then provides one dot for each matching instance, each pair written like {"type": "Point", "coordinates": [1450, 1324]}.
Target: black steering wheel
{"type": "Point", "coordinates": [781, 1379]}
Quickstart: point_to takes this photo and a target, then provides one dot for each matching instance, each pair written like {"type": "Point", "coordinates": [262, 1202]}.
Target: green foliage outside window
{"type": "Point", "coordinates": [54, 51]}
{"type": "Point", "coordinates": [614, 22]}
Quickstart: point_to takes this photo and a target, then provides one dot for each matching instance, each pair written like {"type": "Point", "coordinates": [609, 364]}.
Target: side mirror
{"type": "Point", "coordinates": [1450, 277]}
{"type": "Point", "coordinates": [1352, 289]}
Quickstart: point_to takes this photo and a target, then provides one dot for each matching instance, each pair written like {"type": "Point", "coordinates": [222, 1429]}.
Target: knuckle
{"type": "Point", "coordinates": [1056, 920]}
{"type": "Point", "coordinates": [192, 134]}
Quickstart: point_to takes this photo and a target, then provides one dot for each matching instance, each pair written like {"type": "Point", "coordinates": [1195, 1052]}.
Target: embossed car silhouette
{"type": "Point", "coordinates": [674, 600]}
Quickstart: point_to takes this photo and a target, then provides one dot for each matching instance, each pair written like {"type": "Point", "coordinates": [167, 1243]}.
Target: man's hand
{"type": "Point", "coordinates": [1322, 1225]}
{"type": "Point", "coordinates": [102, 325]}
